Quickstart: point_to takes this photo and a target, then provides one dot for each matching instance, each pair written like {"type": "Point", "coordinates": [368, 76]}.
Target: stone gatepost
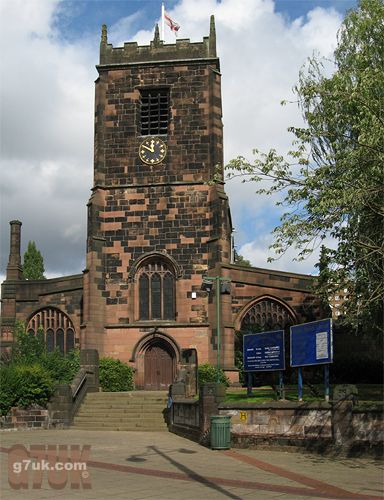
{"type": "Point", "coordinates": [342, 428]}
{"type": "Point", "coordinates": [60, 406]}
{"type": "Point", "coordinates": [211, 395]}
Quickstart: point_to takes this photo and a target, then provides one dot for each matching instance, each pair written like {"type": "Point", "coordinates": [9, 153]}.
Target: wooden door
{"type": "Point", "coordinates": [158, 368]}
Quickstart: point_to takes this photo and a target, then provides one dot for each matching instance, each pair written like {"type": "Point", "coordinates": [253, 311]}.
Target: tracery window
{"type": "Point", "coordinates": [58, 329]}
{"type": "Point", "coordinates": [156, 291]}
{"type": "Point", "coordinates": [268, 314]}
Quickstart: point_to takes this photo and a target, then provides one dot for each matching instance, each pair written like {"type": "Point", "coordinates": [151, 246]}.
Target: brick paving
{"type": "Point", "coordinates": [163, 466]}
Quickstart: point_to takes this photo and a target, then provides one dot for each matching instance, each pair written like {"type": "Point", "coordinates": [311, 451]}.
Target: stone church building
{"type": "Point", "coordinates": [156, 228]}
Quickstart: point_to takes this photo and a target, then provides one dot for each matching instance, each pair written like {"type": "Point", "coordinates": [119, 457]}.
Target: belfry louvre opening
{"type": "Point", "coordinates": [154, 111]}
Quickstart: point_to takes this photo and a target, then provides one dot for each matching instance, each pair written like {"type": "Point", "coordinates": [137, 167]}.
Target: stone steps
{"type": "Point", "coordinates": [117, 418]}
{"type": "Point", "coordinates": [137, 428]}
{"type": "Point", "coordinates": [122, 411]}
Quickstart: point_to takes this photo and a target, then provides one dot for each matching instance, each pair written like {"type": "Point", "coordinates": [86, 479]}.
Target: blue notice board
{"type": "Point", "coordinates": [264, 351]}
{"type": "Point", "coordinates": [312, 343]}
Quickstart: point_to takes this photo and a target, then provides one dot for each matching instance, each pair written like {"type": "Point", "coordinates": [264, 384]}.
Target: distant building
{"type": "Point", "coordinates": [155, 228]}
{"type": "Point", "coordinates": [337, 302]}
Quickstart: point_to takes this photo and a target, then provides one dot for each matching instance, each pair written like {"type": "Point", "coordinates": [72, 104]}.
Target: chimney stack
{"type": "Point", "coordinates": [14, 267]}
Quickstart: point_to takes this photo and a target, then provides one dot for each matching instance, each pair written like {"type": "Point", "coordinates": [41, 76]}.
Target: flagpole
{"type": "Point", "coordinates": [162, 21]}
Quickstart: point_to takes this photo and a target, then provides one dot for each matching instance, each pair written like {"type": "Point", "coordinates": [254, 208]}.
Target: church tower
{"type": "Point", "coordinates": [159, 232]}
{"type": "Point", "coordinates": [155, 224]}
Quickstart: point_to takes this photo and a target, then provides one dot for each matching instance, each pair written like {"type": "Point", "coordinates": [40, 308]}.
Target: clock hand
{"type": "Point", "coordinates": [150, 149]}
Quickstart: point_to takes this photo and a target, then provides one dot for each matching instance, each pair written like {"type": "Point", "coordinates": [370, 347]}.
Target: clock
{"type": "Point", "coordinates": [152, 150]}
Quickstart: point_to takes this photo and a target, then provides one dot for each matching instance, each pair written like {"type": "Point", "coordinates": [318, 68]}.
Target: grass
{"type": "Point", "coordinates": [367, 393]}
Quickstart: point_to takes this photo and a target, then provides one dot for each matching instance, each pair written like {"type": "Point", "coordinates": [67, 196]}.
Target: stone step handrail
{"type": "Point", "coordinates": [78, 382]}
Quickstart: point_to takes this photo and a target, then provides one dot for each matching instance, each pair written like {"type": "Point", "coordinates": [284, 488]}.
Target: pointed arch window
{"type": "Point", "coordinates": [144, 296]}
{"type": "Point", "coordinates": [57, 327]}
{"type": "Point", "coordinates": [50, 340]}
{"type": "Point", "coordinates": [267, 314]}
{"type": "Point", "coordinates": [156, 291]}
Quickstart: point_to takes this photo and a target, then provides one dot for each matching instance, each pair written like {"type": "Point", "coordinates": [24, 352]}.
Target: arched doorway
{"type": "Point", "coordinates": [159, 366]}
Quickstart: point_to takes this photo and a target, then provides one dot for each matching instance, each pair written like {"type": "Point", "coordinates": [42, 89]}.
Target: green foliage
{"type": "Point", "coordinates": [7, 385]}
{"type": "Point", "coordinates": [115, 375]}
{"type": "Point", "coordinates": [27, 349]}
{"type": "Point", "coordinates": [322, 286]}
{"type": "Point", "coordinates": [31, 349]}
{"type": "Point", "coordinates": [29, 375]}
{"type": "Point", "coordinates": [208, 373]}
{"type": "Point", "coordinates": [33, 266]}
{"type": "Point", "coordinates": [239, 363]}
{"type": "Point", "coordinates": [333, 178]}
{"type": "Point", "coordinates": [24, 385]}
{"type": "Point", "coordinates": [61, 368]}
{"type": "Point", "coordinates": [241, 261]}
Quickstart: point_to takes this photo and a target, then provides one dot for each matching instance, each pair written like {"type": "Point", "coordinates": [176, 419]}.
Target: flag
{"type": "Point", "coordinates": [172, 24]}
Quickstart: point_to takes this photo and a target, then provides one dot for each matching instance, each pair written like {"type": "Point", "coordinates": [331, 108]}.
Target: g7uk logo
{"type": "Point", "coordinates": [60, 463]}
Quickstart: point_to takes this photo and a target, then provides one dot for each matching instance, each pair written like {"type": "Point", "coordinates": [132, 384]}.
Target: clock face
{"type": "Point", "coordinates": [152, 150]}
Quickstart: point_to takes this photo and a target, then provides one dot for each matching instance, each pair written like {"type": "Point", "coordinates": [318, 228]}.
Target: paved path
{"type": "Point", "coordinates": [163, 466]}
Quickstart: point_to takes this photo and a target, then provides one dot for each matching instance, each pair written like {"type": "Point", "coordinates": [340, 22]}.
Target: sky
{"type": "Point", "coordinates": [49, 52]}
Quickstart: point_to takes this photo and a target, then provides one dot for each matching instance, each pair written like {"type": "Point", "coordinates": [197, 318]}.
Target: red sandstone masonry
{"type": "Point", "coordinates": [21, 418]}
{"type": "Point", "coordinates": [167, 209]}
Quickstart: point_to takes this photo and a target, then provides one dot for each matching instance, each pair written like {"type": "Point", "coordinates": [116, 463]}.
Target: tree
{"type": "Point", "coordinates": [33, 267]}
{"type": "Point", "coordinates": [332, 180]}
{"type": "Point", "coordinates": [324, 278]}
{"type": "Point", "coordinates": [242, 261]}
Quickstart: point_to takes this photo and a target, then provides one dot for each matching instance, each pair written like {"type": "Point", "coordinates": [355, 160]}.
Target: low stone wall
{"type": "Point", "coordinates": [368, 424]}
{"type": "Point", "coordinates": [186, 412]}
{"type": "Point", "coordinates": [184, 419]}
{"type": "Point", "coordinates": [368, 428]}
{"type": "Point", "coordinates": [314, 426]}
{"type": "Point", "coordinates": [25, 418]}
{"type": "Point", "coordinates": [321, 426]}
{"type": "Point", "coordinates": [291, 420]}
{"type": "Point", "coordinates": [190, 418]}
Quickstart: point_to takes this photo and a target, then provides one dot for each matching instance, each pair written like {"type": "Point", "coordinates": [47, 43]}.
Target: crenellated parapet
{"type": "Point", "coordinates": [157, 50]}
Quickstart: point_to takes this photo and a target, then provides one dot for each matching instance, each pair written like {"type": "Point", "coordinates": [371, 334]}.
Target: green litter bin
{"type": "Point", "coordinates": [220, 432]}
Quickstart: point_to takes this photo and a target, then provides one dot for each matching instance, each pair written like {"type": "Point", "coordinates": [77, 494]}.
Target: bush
{"type": "Point", "coordinates": [28, 375]}
{"type": "Point", "coordinates": [24, 385]}
{"type": "Point", "coordinates": [115, 375]}
{"type": "Point", "coordinates": [208, 373]}
{"type": "Point", "coordinates": [27, 349]}
{"type": "Point", "coordinates": [61, 368]}
{"type": "Point", "coordinates": [7, 386]}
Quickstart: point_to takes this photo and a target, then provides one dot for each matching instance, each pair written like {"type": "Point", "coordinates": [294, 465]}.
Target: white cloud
{"type": "Point", "coordinates": [46, 133]}
{"type": "Point", "coordinates": [47, 111]}
{"type": "Point", "coordinates": [258, 253]}
{"type": "Point", "coordinates": [119, 32]}
{"type": "Point", "coordinates": [261, 54]}
{"type": "Point", "coordinates": [22, 19]}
